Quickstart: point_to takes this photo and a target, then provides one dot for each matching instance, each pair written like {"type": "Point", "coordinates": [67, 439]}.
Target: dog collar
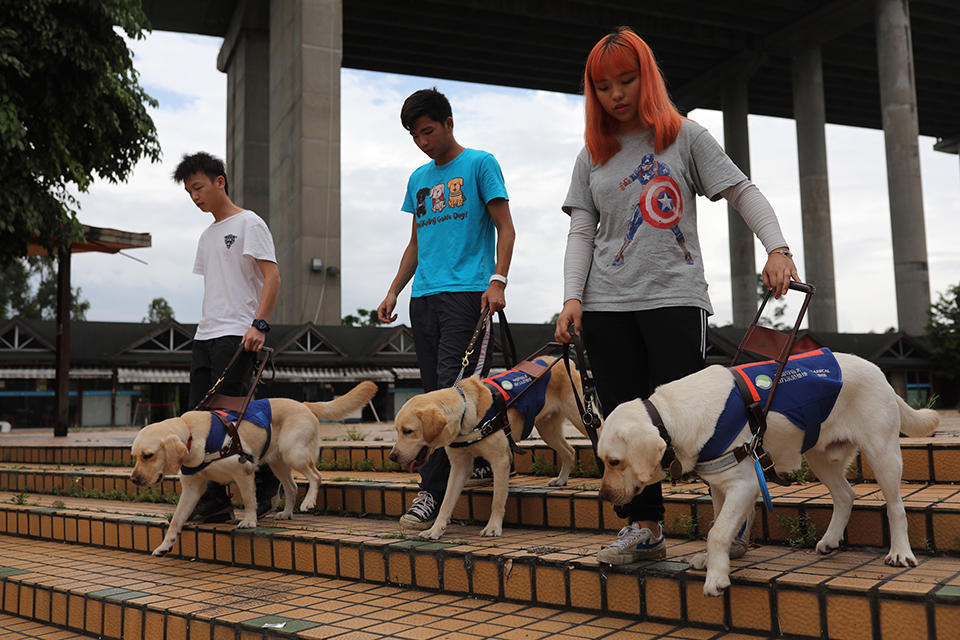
{"type": "Point", "coordinates": [669, 460]}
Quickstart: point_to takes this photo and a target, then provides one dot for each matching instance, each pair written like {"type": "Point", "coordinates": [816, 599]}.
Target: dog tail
{"type": "Point", "coordinates": [917, 423]}
{"type": "Point", "coordinates": [346, 404]}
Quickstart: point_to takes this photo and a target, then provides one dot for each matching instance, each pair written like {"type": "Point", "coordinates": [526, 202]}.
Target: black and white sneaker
{"type": "Point", "coordinates": [482, 475]}
{"type": "Point", "coordinates": [421, 513]}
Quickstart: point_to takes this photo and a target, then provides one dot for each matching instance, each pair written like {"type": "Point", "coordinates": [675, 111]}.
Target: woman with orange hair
{"type": "Point", "coordinates": [633, 272]}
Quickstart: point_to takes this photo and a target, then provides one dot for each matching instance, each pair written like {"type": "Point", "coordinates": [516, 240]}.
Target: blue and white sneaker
{"type": "Point", "coordinates": [634, 544]}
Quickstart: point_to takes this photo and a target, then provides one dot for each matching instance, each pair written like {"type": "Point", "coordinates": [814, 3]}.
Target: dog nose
{"type": "Point", "coordinates": [136, 479]}
{"type": "Point", "coordinates": [604, 493]}
{"type": "Point", "coordinates": [393, 456]}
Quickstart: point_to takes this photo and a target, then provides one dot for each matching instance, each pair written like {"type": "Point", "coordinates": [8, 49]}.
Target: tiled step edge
{"type": "Point", "coordinates": [111, 613]}
{"type": "Point", "coordinates": [924, 460]}
{"type": "Point", "coordinates": [933, 526]}
{"type": "Point", "coordinates": [780, 603]}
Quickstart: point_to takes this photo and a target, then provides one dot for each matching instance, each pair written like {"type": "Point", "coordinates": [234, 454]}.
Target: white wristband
{"type": "Point", "coordinates": [499, 278]}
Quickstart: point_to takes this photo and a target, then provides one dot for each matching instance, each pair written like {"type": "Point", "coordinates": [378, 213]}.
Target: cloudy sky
{"type": "Point", "coordinates": [536, 136]}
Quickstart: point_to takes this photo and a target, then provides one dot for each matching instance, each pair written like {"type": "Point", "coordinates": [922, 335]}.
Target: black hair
{"type": "Point", "coordinates": [425, 102]}
{"type": "Point", "coordinates": [203, 162]}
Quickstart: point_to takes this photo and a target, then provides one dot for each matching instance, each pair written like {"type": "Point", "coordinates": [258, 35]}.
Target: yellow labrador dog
{"type": "Point", "coordinates": [436, 419]}
{"type": "Point", "coordinates": [163, 448]}
{"type": "Point", "coordinates": [866, 415]}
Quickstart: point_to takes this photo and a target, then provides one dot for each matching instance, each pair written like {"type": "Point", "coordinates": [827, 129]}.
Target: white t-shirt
{"type": "Point", "coordinates": [227, 255]}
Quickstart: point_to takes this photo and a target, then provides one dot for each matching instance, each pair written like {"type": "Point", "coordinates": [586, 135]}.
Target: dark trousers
{"type": "Point", "coordinates": [208, 360]}
{"type": "Point", "coordinates": [442, 326]}
{"type": "Point", "coordinates": [631, 354]}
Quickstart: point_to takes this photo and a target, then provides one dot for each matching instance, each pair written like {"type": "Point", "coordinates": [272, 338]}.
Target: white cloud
{"type": "Point", "coordinates": [535, 135]}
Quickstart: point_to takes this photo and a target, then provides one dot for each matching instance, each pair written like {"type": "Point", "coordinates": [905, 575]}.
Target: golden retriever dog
{"type": "Point", "coordinates": [435, 419]}
{"type": "Point", "coordinates": [455, 198]}
{"type": "Point", "coordinates": [866, 415]}
{"type": "Point", "coordinates": [162, 448]}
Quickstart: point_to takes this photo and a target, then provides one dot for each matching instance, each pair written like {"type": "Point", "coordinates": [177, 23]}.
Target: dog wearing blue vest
{"type": "Point", "coordinates": [452, 417]}
{"type": "Point", "coordinates": [279, 432]}
{"type": "Point", "coordinates": [827, 407]}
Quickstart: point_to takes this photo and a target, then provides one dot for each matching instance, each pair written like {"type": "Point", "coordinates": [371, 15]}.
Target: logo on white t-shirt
{"type": "Point", "coordinates": [229, 239]}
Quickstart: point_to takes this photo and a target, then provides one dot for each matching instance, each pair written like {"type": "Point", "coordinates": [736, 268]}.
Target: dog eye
{"type": "Point", "coordinates": [406, 431]}
{"type": "Point", "coordinates": [612, 463]}
{"type": "Point", "coordinates": [146, 456]}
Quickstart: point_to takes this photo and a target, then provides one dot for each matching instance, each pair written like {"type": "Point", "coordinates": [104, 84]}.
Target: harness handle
{"type": "Point", "coordinates": [235, 447]}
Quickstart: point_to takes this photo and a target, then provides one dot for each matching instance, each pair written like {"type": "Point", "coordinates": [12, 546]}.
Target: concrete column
{"type": "Point", "coordinates": [244, 57]}
{"type": "Point", "coordinates": [809, 112]}
{"type": "Point", "coordinates": [898, 102]}
{"type": "Point", "coordinates": [736, 142]}
{"type": "Point", "coordinates": [305, 54]}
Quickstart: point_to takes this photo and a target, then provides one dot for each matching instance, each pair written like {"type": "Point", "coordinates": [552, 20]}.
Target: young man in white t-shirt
{"type": "Point", "coordinates": [236, 258]}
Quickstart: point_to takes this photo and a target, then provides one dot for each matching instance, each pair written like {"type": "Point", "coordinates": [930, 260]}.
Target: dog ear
{"type": "Point", "coordinates": [432, 422]}
{"type": "Point", "coordinates": [174, 453]}
{"type": "Point", "coordinates": [654, 454]}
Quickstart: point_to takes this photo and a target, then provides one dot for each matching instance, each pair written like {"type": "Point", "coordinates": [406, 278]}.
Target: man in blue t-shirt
{"type": "Point", "coordinates": [458, 256]}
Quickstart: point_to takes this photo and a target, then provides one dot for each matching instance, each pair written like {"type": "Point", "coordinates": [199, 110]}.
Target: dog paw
{"type": "Point", "coordinates": [492, 531]}
{"type": "Point", "coordinates": [433, 533]}
{"type": "Point", "coordinates": [161, 551]}
{"type": "Point", "coordinates": [900, 559]}
{"type": "Point", "coordinates": [699, 561]}
{"type": "Point", "coordinates": [283, 515]}
{"type": "Point", "coordinates": [557, 482]}
{"type": "Point", "coordinates": [825, 548]}
{"type": "Point", "coordinates": [307, 506]}
{"type": "Point", "coordinates": [715, 585]}
{"type": "Point", "coordinates": [247, 523]}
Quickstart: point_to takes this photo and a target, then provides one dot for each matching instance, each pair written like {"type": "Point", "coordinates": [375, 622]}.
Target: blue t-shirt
{"type": "Point", "coordinates": [456, 238]}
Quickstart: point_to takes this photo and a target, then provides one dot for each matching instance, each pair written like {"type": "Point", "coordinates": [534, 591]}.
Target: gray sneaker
{"type": "Point", "coordinates": [421, 513]}
{"type": "Point", "coordinates": [634, 544]}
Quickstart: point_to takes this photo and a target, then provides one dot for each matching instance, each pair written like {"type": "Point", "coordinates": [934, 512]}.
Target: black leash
{"type": "Point", "coordinates": [506, 341]}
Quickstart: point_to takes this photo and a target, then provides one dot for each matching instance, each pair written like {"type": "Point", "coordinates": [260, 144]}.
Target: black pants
{"type": "Point", "coordinates": [210, 358]}
{"type": "Point", "coordinates": [442, 325]}
{"type": "Point", "coordinates": [631, 354]}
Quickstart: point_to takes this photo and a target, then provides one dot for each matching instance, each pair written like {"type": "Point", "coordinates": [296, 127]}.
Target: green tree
{"type": "Point", "coordinates": [28, 289]}
{"type": "Point", "coordinates": [363, 318]}
{"type": "Point", "coordinates": [159, 311]}
{"type": "Point", "coordinates": [70, 109]}
{"type": "Point", "coordinates": [943, 331]}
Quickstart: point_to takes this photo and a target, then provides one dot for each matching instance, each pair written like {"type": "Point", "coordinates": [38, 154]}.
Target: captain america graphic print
{"type": "Point", "coordinates": [660, 204]}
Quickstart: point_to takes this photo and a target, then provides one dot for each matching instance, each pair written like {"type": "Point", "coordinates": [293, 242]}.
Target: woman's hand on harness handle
{"type": "Point", "coordinates": [571, 313]}
{"type": "Point", "coordinates": [778, 271]}
{"type": "Point", "coordinates": [253, 339]}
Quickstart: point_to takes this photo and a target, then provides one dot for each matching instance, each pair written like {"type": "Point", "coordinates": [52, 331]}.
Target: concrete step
{"type": "Point", "coordinates": [800, 510]}
{"type": "Point", "coordinates": [928, 460]}
{"type": "Point", "coordinates": [775, 590]}
{"type": "Point", "coordinates": [120, 594]}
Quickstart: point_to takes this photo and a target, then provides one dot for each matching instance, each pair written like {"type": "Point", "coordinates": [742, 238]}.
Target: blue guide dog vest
{"type": "Point", "coordinates": [510, 384]}
{"type": "Point", "coordinates": [807, 391]}
{"type": "Point", "coordinates": [258, 412]}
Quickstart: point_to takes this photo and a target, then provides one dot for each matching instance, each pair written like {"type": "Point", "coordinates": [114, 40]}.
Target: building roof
{"type": "Point", "coordinates": [160, 352]}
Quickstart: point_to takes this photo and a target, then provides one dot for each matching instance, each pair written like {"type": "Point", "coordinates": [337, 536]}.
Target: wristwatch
{"type": "Point", "coordinates": [261, 324]}
{"type": "Point", "coordinates": [783, 252]}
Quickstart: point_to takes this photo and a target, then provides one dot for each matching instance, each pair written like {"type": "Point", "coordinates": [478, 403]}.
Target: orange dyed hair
{"type": "Point", "coordinates": [623, 50]}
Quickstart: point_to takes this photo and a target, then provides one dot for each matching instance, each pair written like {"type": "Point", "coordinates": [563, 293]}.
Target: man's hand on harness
{"type": "Point", "coordinates": [494, 298]}
{"type": "Point", "coordinates": [253, 339]}
{"type": "Point", "coordinates": [572, 313]}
